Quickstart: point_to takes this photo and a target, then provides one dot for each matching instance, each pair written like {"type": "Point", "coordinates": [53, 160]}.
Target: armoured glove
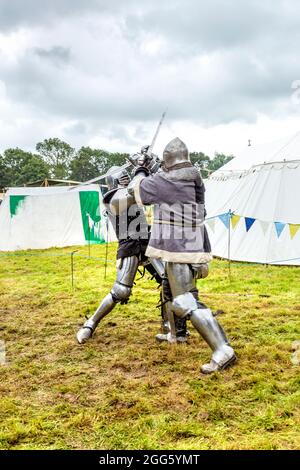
{"type": "Point", "coordinates": [142, 170]}
{"type": "Point", "coordinates": [201, 270]}
{"type": "Point", "coordinates": [144, 163]}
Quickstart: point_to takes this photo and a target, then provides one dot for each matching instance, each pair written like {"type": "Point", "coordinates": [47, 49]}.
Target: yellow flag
{"type": "Point", "coordinates": [293, 229]}
{"type": "Point", "coordinates": [149, 214]}
{"type": "Point", "coordinates": [235, 220]}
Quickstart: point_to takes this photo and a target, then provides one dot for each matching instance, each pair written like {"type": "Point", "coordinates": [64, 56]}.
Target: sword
{"type": "Point", "coordinates": [149, 151]}
{"type": "Point", "coordinates": [128, 163]}
{"type": "Point", "coordinates": [102, 177]}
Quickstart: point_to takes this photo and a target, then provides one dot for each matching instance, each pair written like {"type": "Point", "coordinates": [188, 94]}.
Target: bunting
{"type": "Point", "coordinates": [293, 229]}
{"type": "Point", "coordinates": [149, 214]}
{"type": "Point", "coordinates": [233, 219]}
{"type": "Point", "coordinates": [249, 221]}
{"type": "Point", "coordinates": [225, 218]}
{"type": "Point", "coordinates": [264, 226]}
{"type": "Point", "coordinates": [211, 224]}
{"type": "Point", "coordinates": [279, 227]}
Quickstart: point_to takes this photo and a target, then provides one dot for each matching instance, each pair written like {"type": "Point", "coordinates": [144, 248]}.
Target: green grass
{"type": "Point", "coordinates": [124, 391]}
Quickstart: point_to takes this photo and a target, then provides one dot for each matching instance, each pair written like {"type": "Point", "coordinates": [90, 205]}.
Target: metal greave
{"type": "Point", "coordinates": [181, 282]}
{"type": "Point", "coordinates": [120, 292]}
{"type": "Point", "coordinates": [209, 328]}
{"type": "Point", "coordinates": [104, 308]}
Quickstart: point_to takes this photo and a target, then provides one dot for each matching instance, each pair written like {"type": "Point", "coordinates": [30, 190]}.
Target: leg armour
{"type": "Point", "coordinates": [173, 328]}
{"type": "Point", "coordinates": [120, 293]}
{"type": "Point", "coordinates": [185, 305]}
{"type": "Point", "coordinates": [166, 311]}
{"type": "Point", "coordinates": [90, 325]}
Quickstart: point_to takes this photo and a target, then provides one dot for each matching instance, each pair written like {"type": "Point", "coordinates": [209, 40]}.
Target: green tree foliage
{"type": "Point", "coordinates": [2, 173]}
{"type": "Point", "coordinates": [57, 159]}
{"type": "Point", "coordinates": [207, 165]}
{"type": "Point", "coordinates": [117, 159]}
{"type": "Point", "coordinates": [89, 163]}
{"type": "Point", "coordinates": [219, 160]}
{"type": "Point", "coordinates": [58, 155]}
{"type": "Point", "coordinates": [18, 168]}
{"type": "Point", "coordinates": [200, 161]}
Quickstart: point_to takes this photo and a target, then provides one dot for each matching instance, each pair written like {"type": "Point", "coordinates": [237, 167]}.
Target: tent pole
{"type": "Point", "coordinates": [229, 241]}
{"type": "Point", "coordinates": [106, 249]}
{"type": "Point", "coordinates": [72, 267]}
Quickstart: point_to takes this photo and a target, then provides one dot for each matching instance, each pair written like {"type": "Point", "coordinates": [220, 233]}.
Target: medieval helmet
{"type": "Point", "coordinates": [175, 152]}
{"type": "Point", "coordinates": [117, 176]}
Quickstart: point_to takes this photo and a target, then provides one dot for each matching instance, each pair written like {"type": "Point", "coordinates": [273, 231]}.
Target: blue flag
{"type": "Point", "coordinates": [279, 228]}
{"type": "Point", "coordinates": [249, 222]}
{"type": "Point", "coordinates": [225, 218]}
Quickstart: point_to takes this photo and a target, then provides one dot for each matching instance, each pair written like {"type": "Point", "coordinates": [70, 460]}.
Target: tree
{"type": "Point", "coordinates": [117, 159]}
{"type": "Point", "coordinates": [219, 160]}
{"type": "Point", "coordinates": [2, 173]}
{"type": "Point", "coordinates": [18, 168]}
{"type": "Point", "coordinates": [58, 159]}
{"type": "Point", "coordinates": [58, 155]}
{"type": "Point", "coordinates": [89, 163]}
{"type": "Point", "coordinates": [201, 161]}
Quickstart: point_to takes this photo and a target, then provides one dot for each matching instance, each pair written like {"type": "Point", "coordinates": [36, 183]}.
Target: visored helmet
{"type": "Point", "coordinates": [175, 152]}
{"type": "Point", "coordinates": [117, 176]}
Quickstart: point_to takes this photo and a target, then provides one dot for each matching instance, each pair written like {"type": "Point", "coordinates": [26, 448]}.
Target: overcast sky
{"type": "Point", "coordinates": [101, 72]}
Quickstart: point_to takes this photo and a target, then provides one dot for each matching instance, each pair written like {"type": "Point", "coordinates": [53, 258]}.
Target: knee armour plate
{"type": "Point", "coordinates": [184, 304]}
{"type": "Point", "coordinates": [120, 293]}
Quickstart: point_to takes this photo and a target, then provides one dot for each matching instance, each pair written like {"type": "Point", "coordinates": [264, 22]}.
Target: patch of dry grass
{"type": "Point", "coordinates": [124, 391]}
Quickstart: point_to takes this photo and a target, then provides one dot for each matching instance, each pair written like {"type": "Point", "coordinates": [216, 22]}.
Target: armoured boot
{"type": "Point", "coordinates": [87, 330]}
{"type": "Point", "coordinates": [163, 337]}
{"type": "Point", "coordinates": [210, 330]}
{"type": "Point", "coordinates": [120, 293]}
{"type": "Point", "coordinates": [179, 335]}
{"type": "Point", "coordinates": [173, 329]}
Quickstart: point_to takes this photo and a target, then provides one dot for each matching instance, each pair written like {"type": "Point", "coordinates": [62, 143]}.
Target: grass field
{"type": "Point", "coordinates": [124, 391]}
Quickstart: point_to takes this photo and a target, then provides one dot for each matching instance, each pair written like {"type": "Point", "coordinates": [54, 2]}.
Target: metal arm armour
{"type": "Point", "coordinates": [118, 201]}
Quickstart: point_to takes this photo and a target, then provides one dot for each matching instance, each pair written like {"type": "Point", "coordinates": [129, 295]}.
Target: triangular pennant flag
{"type": "Point", "coordinates": [293, 229]}
{"type": "Point", "coordinates": [149, 214]}
{"type": "Point", "coordinates": [249, 222]}
{"type": "Point", "coordinates": [279, 226]}
{"type": "Point", "coordinates": [225, 218]}
{"type": "Point", "coordinates": [264, 226]}
{"type": "Point", "coordinates": [211, 224]}
{"type": "Point", "coordinates": [235, 220]}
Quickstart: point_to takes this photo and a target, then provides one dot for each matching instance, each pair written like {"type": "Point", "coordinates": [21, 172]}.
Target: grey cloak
{"type": "Point", "coordinates": [178, 233]}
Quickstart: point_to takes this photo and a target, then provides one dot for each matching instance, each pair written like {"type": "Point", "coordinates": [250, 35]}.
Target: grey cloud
{"type": "Point", "coordinates": [238, 92]}
{"type": "Point", "coordinates": [198, 27]}
{"type": "Point", "coordinates": [16, 13]}
{"type": "Point", "coordinates": [56, 54]}
{"type": "Point", "coordinates": [76, 128]}
{"type": "Point", "coordinates": [121, 134]}
{"type": "Point", "coordinates": [218, 61]}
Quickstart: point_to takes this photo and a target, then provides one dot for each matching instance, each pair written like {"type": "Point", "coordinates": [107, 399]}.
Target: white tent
{"type": "Point", "coordinates": [55, 216]}
{"type": "Point", "coordinates": [253, 205]}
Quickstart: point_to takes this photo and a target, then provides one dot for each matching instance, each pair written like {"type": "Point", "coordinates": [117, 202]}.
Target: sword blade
{"type": "Point", "coordinates": [157, 131]}
{"type": "Point", "coordinates": [102, 177]}
{"type": "Point", "coordinates": [128, 164]}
